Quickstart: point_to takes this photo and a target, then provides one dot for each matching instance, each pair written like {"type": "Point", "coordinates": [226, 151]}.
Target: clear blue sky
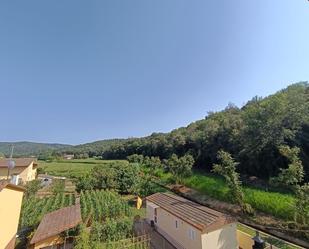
{"type": "Point", "coordinates": [75, 71]}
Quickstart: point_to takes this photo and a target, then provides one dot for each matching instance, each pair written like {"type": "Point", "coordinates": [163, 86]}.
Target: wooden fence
{"type": "Point", "coordinates": [140, 242]}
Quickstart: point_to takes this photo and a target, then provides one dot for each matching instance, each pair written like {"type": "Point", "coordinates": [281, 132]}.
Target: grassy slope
{"type": "Point", "coordinates": [277, 204]}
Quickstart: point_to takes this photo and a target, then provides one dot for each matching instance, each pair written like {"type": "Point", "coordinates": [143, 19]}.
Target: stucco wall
{"type": "Point", "coordinates": [167, 223]}
{"type": "Point", "coordinates": [224, 238]}
{"type": "Point", "coordinates": [25, 173]}
{"type": "Point", "coordinates": [10, 205]}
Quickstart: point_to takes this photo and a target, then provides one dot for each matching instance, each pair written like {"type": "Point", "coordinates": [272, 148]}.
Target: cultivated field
{"type": "Point", "coordinates": [72, 168]}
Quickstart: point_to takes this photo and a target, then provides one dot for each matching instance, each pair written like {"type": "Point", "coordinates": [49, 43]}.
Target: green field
{"type": "Point", "coordinates": [277, 204]}
{"type": "Point", "coordinates": [280, 205]}
{"type": "Point", "coordinates": [72, 168]}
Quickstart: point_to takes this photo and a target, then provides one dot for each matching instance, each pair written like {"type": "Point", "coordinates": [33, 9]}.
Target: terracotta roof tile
{"type": "Point", "coordinates": [57, 222]}
{"type": "Point", "coordinates": [201, 217]}
{"type": "Point", "coordinates": [20, 162]}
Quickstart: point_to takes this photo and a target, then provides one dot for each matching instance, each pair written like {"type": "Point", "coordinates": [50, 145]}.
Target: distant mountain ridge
{"type": "Point", "coordinates": [25, 148]}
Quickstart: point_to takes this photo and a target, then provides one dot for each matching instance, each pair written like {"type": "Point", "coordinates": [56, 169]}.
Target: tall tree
{"type": "Point", "coordinates": [227, 168]}
{"type": "Point", "coordinates": [294, 174]}
{"type": "Point", "coordinates": [180, 167]}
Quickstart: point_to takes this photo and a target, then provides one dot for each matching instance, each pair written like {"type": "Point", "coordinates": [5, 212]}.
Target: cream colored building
{"type": "Point", "coordinates": [10, 204]}
{"type": "Point", "coordinates": [25, 169]}
{"type": "Point", "coordinates": [188, 225]}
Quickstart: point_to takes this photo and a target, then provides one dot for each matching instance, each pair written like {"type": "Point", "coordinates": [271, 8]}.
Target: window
{"type": "Point", "coordinates": [192, 233]}
{"type": "Point", "coordinates": [176, 224]}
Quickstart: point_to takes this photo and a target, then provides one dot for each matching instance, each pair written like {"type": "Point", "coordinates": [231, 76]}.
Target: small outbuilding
{"type": "Point", "coordinates": [53, 224]}
{"type": "Point", "coordinates": [188, 225]}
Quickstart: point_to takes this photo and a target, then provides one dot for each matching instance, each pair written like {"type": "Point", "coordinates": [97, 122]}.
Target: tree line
{"type": "Point", "coordinates": [252, 134]}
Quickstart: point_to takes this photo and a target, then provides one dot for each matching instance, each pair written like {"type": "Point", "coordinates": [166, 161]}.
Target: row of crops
{"type": "Point", "coordinates": [33, 208]}
{"type": "Point", "coordinates": [100, 205]}
{"type": "Point", "coordinates": [108, 215]}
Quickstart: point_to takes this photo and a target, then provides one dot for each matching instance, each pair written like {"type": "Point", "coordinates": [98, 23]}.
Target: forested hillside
{"type": "Point", "coordinates": [251, 134]}
{"type": "Point", "coordinates": [29, 148]}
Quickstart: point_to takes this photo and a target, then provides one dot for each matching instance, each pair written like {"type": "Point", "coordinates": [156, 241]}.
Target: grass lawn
{"type": "Point", "coordinates": [73, 168]}
{"type": "Point", "coordinates": [280, 205]}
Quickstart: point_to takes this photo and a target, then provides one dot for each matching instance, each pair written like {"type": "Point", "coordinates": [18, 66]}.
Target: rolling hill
{"type": "Point", "coordinates": [29, 148]}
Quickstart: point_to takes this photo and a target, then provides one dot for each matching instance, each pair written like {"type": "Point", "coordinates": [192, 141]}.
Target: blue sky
{"type": "Point", "coordinates": [76, 71]}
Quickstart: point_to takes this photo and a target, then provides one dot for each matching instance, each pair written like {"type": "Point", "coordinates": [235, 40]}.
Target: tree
{"type": "Point", "coordinates": [302, 204]}
{"type": "Point", "coordinates": [135, 158]}
{"type": "Point", "coordinates": [180, 167]}
{"type": "Point", "coordinates": [227, 168]}
{"type": "Point", "coordinates": [294, 174]}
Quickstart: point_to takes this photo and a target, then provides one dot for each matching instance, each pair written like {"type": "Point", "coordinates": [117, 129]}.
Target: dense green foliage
{"type": "Point", "coordinates": [302, 204]}
{"type": "Point", "coordinates": [101, 205]}
{"type": "Point", "coordinates": [108, 214]}
{"type": "Point", "coordinates": [112, 230]}
{"type": "Point", "coordinates": [252, 134]}
{"type": "Point", "coordinates": [277, 204]}
{"type": "Point", "coordinates": [32, 188]}
{"type": "Point", "coordinates": [122, 177]}
{"type": "Point", "coordinates": [33, 209]}
{"type": "Point", "coordinates": [294, 174]}
{"type": "Point", "coordinates": [180, 167]}
{"type": "Point", "coordinates": [227, 168]}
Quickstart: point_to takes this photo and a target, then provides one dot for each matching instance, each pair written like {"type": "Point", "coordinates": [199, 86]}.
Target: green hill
{"type": "Point", "coordinates": [251, 134]}
{"type": "Point", "coordinates": [29, 148]}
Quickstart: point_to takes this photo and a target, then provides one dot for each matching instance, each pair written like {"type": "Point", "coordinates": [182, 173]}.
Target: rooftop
{"type": "Point", "coordinates": [19, 162]}
{"type": "Point", "coordinates": [57, 222]}
{"type": "Point", "coordinates": [201, 217]}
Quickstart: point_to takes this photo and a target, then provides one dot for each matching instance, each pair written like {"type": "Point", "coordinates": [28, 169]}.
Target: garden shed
{"type": "Point", "coordinates": [53, 224]}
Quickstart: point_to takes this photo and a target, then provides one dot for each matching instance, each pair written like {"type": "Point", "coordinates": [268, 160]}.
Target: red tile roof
{"type": "Point", "coordinates": [7, 184]}
{"type": "Point", "coordinates": [201, 217]}
{"type": "Point", "coordinates": [57, 222]}
{"type": "Point", "coordinates": [19, 162]}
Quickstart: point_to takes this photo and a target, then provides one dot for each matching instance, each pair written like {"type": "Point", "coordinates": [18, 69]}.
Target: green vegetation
{"type": "Point", "coordinates": [32, 188]}
{"type": "Point", "coordinates": [274, 203]}
{"type": "Point", "coordinates": [180, 167]}
{"type": "Point", "coordinates": [102, 205]}
{"type": "Point", "coordinates": [33, 209]}
{"type": "Point", "coordinates": [252, 134]}
{"type": "Point", "coordinates": [302, 204]}
{"type": "Point", "coordinates": [108, 215]}
{"type": "Point", "coordinates": [73, 168]}
{"type": "Point", "coordinates": [29, 148]}
{"type": "Point", "coordinates": [294, 174]}
{"type": "Point", "coordinates": [227, 168]}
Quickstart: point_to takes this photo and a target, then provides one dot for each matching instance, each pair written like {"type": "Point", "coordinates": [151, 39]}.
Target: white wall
{"type": "Point", "coordinates": [224, 238]}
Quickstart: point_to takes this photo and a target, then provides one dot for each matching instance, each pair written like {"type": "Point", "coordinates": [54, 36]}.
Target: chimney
{"type": "Point", "coordinates": [258, 242]}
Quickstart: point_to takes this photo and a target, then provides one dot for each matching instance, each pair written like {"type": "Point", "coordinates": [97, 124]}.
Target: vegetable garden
{"type": "Point", "coordinates": [33, 208]}
{"type": "Point", "coordinates": [101, 205]}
